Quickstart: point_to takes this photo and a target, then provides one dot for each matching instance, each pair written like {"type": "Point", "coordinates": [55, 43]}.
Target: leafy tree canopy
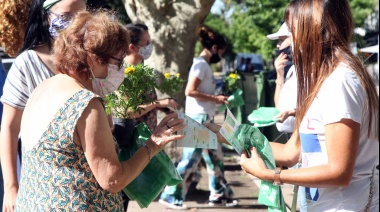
{"type": "Point", "coordinates": [246, 23]}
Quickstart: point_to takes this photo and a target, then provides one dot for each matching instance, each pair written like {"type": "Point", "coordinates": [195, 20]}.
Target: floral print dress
{"type": "Point", "coordinates": [55, 173]}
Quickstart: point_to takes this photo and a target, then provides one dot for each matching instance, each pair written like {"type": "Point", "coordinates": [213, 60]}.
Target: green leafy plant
{"type": "Point", "coordinates": [231, 82]}
{"type": "Point", "coordinates": [125, 100]}
{"type": "Point", "coordinates": [172, 84]}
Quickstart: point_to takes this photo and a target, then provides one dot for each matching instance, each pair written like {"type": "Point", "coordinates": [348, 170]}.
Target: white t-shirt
{"type": "Point", "coordinates": [288, 100]}
{"type": "Point", "coordinates": [26, 73]}
{"type": "Point", "coordinates": [341, 96]}
{"type": "Point", "coordinates": [202, 70]}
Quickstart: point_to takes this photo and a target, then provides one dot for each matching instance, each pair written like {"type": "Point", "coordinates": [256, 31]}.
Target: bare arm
{"type": "Point", "coordinates": [10, 129]}
{"type": "Point", "coordinates": [279, 64]}
{"type": "Point", "coordinates": [157, 104]}
{"type": "Point", "coordinates": [96, 139]}
{"type": "Point", "coordinates": [192, 90]}
{"type": "Point", "coordinates": [341, 149]}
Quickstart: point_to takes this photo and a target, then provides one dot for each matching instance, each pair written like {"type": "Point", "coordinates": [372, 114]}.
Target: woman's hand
{"type": "Point", "coordinates": [284, 115]}
{"type": "Point", "coordinates": [253, 165]}
{"type": "Point", "coordinates": [9, 199]}
{"type": "Point", "coordinates": [167, 103]}
{"type": "Point", "coordinates": [221, 99]}
{"type": "Point", "coordinates": [280, 64]}
{"type": "Point", "coordinates": [165, 132]}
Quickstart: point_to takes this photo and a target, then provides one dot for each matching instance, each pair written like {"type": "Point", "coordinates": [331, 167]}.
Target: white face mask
{"type": "Point", "coordinates": [109, 84]}
{"type": "Point", "coordinates": [146, 51]}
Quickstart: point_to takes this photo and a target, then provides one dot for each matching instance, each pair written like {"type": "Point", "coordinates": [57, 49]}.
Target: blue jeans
{"type": "Point", "coordinates": [301, 199]}
{"type": "Point", "coordinates": [189, 163]}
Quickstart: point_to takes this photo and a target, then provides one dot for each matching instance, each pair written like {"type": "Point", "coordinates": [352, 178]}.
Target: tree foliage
{"type": "Point", "coordinates": [246, 23]}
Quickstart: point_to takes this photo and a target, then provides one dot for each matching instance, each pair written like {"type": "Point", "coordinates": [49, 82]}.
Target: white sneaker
{"type": "Point", "coordinates": [172, 205]}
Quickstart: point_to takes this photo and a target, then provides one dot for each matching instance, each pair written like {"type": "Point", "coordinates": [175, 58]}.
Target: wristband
{"type": "Point", "coordinates": [276, 179]}
{"type": "Point", "coordinates": [148, 148]}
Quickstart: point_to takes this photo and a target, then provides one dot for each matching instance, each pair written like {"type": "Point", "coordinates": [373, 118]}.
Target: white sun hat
{"type": "Point", "coordinates": [283, 31]}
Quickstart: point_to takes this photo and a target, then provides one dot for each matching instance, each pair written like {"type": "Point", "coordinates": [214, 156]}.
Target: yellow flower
{"type": "Point", "coordinates": [129, 70]}
{"type": "Point", "coordinates": [167, 75]}
{"type": "Point", "coordinates": [232, 76]}
{"type": "Point", "coordinates": [177, 74]}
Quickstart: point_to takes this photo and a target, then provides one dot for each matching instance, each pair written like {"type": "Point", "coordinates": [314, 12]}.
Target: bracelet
{"type": "Point", "coordinates": [276, 178]}
{"type": "Point", "coordinates": [148, 148]}
{"type": "Point", "coordinates": [278, 83]}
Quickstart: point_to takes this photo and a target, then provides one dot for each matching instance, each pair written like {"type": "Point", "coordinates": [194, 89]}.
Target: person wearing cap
{"type": "Point", "coordinates": [285, 97]}
{"type": "Point", "coordinates": [31, 67]}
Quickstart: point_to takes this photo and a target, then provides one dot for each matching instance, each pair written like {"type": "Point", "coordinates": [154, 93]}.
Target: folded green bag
{"type": "Point", "coordinates": [269, 195]}
{"type": "Point", "coordinates": [263, 116]}
{"type": "Point", "coordinates": [156, 175]}
{"type": "Point", "coordinates": [235, 100]}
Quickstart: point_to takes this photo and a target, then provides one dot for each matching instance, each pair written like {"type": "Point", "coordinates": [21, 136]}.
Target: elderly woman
{"type": "Point", "coordinates": [68, 143]}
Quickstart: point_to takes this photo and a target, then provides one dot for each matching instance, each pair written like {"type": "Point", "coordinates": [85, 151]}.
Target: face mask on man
{"type": "Point", "coordinates": [146, 51]}
{"type": "Point", "coordinates": [58, 23]}
{"type": "Point", "coordinates": [109, 84]}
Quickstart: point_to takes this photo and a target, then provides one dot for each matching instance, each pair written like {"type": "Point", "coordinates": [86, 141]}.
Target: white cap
{"type": "Point", "coordinates": [283, 31]}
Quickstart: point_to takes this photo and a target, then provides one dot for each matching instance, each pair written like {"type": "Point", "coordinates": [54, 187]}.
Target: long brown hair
{"type": "Point", "coordinates": [322, 32]}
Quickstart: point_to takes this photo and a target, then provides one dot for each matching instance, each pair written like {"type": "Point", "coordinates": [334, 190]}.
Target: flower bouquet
{"type": "Point", "coordinates": [172, 84]}
{"type": "Point", "coordinates": [126, 100]}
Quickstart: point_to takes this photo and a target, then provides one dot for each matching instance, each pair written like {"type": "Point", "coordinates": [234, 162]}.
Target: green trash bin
{"type": "Point", "coordinates": [258, 91]}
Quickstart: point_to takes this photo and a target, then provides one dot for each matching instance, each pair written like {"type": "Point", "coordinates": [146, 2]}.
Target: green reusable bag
{"type": "Point", "coordinates": [235, 100]}
{"type": "Point", "coordinates": [156, 175]}
{"type": "Point", "coordinates": [263, 116]}
{"type": "Point", "coordinates": [269, 195]}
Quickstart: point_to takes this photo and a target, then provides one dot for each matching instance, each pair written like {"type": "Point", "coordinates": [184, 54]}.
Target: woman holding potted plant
{"type": "Point", "coordinates": [67, 141]}
{"type": "Point", "coordinates": [200, 106]}
{"type": "Point", "coordinates": [139, 50]}
{"type": "Point", "coordinates": [135, 100]}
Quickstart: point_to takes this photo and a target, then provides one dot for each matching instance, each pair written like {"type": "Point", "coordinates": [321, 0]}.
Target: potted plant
{"type": "Point", "coordinates": [233, 91]}
{"type": "Point", "coordinates": [126, 100]}
{"type": "Point", "coordinates": [171, 84]}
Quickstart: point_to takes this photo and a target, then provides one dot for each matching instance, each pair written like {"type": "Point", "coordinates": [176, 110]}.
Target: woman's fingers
{"type": "Point", "coordinates": [176, 127]}
{"type": "Point", "coordinates": [166, 119]}
{"type": "Point", "coordinates": [173, 122]}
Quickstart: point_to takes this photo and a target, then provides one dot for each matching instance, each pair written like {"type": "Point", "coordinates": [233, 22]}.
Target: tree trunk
{"type": "Point", "coordinates": [172, 26]}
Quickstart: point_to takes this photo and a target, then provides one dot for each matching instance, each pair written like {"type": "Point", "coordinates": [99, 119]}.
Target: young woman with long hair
{"type": "Point", "coordinates": [336, 132]}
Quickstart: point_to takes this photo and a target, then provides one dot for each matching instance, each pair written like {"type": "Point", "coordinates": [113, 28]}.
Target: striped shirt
{"type": "Point", "coordinates": [26, 73]}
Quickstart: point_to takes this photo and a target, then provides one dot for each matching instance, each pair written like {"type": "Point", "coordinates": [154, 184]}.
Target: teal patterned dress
{"type": "Point", "coordinates": [55, 173]}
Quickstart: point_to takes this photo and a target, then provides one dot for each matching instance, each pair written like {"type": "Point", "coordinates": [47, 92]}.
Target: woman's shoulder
{"type": "Point", "coordinates": [199, 63]}
{"type": "Point", "coordinates": [344, 78]}
{"type": "Point", "coordinates": [27, 61]}
{"type": "Point", "coordinates": [62, 84]}
{"type": "Point", "coordinates": [27, 55]}
{"type": "Point", "coordinates": [344, 73]}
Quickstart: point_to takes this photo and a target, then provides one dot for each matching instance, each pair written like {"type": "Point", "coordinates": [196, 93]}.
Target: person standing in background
{"type": "Point", "coordinates": [201, 106]}
{"type": "Point", "coordinates": [285, 97]}
{"type": "Point", "coordinates": [35, 64]}
{"type": "Point", "coordinates": [139, 50]}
